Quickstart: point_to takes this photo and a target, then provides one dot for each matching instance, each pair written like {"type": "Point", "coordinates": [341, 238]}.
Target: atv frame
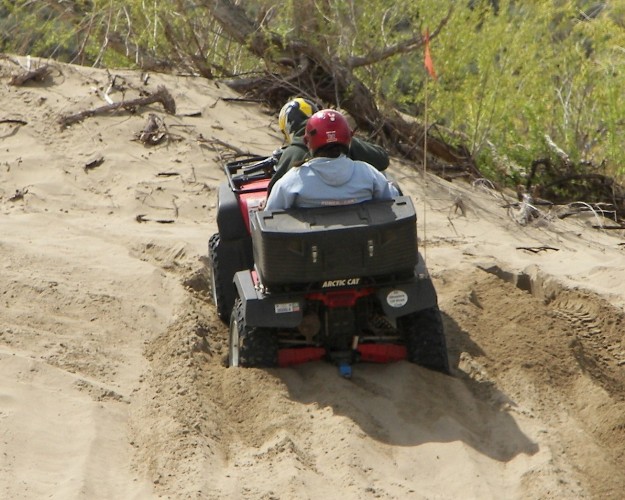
{"type": "Point", "coordinates": [345, 284]}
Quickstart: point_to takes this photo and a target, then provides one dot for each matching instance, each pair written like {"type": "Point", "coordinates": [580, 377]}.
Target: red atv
{"type": "Point", "coordinates": [345, 284]}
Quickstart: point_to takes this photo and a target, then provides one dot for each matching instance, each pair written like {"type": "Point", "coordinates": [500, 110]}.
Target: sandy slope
{"type": "Point", "coordinates": [111, 375]}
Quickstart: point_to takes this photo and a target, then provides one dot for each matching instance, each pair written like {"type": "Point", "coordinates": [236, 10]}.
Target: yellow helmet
{"type": "Point", "coordinates": [294, 115]}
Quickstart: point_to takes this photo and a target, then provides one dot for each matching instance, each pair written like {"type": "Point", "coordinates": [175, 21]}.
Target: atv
{"type": "Point", "coordinates": [345, 284]}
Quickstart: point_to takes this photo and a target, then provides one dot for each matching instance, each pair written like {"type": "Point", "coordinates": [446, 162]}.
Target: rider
{"type": "Point", "coordinates": [331, 177]}
{"type": "Point", "coordinates": [292, 121]}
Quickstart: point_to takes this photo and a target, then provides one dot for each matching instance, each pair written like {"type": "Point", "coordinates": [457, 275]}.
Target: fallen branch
{"type": "Point", "coordinates": [242, 99]}
{"type": "Point", "coordinates": [214, 141]}
{"type": "Point", "coordinates": [142, 218]}
{"type": "Point", "coordinates": [19, 194]}
{"type": "Point", "coordinates": [14, 129]}
{"type": "Point", "coordinates": [597, 188]}
{"type": "Point", "coordinates": [162, 96]}
{"type": "Point", "coordinates": [18, 122]}
{"type": "Point", "coordinates": [538, 249]}
{"type": "Point", "coordinates": [607, 227]}
{"type": "Point", "coordinates": [38, 74]}
{"type": "Point", "coordinates": [578, 207]}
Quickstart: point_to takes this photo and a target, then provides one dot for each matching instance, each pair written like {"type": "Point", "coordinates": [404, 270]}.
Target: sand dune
{"type": "Point", "coordinates": [111, 376]}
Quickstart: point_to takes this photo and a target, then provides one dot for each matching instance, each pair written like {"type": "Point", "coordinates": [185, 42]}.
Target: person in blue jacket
{"type": "Point", "coordinates": [331, 177]}
{"type": "Point", "coordinates": [292, 122]}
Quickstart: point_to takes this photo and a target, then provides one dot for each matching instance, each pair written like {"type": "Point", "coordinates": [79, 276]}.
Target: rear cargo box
{"type": "Point", "coordinates": [318, 244]}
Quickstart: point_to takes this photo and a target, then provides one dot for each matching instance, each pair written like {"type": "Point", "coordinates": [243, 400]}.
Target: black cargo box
{"type": "Point", "coordinates": [315, 244]}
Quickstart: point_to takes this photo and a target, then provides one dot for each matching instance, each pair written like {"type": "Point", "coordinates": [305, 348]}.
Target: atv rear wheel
{"type": "Point", "coordinates": [219, 279]}
{"type": "Point", "coordinates": [425, 339]}
{"type": "Point", "coordinates": [250, 346]}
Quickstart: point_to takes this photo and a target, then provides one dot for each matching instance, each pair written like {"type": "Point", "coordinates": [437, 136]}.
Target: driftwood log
{"type": "Point", "coordinates": [161, 96]}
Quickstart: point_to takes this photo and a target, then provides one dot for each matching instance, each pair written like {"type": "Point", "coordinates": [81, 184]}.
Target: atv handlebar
{"type": "Point", "coordinates": [255, 167]}
{"type": "Point", "coordinates": [266, 164]}
{"type": "Point", "coordinates": [254, 163]}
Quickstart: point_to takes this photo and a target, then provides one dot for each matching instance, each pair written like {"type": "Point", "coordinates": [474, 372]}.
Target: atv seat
{"type": "Point", "coordinates": [370, 239]}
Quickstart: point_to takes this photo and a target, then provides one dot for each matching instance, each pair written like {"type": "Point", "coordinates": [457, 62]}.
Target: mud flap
{"type": "Point", "coordinates": [262, 310]}
{"type": "Point", "coordinates": [408, 297]}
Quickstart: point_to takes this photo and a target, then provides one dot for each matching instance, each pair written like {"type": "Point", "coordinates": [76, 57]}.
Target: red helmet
{"type": "Point", "coordinates": [327, 126]}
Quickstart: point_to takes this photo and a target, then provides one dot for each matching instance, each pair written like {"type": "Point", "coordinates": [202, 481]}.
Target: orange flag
{"type": "Point", "coordinates": [427, 61]}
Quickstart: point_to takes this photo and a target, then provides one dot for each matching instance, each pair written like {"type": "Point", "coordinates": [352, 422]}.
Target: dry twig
{"type": "Point", "coordinates": [142, 218]}
{"type": "Point", "coordinates": [538, 249]}
{"type": "Point", "coordinates": [214, 141]}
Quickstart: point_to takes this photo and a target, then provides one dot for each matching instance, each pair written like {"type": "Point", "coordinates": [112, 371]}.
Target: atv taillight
{"type": "Point", "coordinates": [341, 298]}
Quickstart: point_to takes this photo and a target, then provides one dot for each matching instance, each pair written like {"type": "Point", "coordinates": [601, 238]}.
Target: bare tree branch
{"type": "Point", "coordinates": [301, 67]}
{"type": "Point", "coordinates": [402, 47]}
{"type": "Point", "coordinates": [162, 95]}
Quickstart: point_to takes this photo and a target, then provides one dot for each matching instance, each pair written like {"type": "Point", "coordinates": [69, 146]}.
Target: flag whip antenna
{"type": "Point", "coordinates": [430, 72]}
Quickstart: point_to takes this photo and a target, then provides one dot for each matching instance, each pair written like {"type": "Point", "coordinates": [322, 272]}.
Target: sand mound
{"type": "Point", "coordinates": [112, 383]}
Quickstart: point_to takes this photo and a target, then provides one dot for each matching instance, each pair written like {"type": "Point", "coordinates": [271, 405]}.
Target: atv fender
{"type": "Point", "coordinates": [408, 297]}
{"type": "Point", "coordinates": [262, 310]}
{"type": "Point", "coordinates": [230, 221]}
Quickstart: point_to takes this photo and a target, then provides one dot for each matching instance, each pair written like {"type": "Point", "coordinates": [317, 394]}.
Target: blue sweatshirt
{"type": "Point", "coordinates": [328, 182]}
